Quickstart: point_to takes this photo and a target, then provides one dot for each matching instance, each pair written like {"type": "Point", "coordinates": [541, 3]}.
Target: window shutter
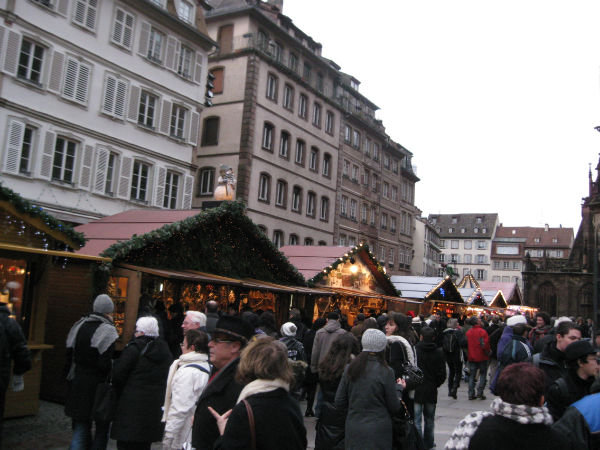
{"type": "Point", "coordinates": [128, 31]}
{"type": "Point", "coordinates": [11, 55]}
{"type": "Point", "coordinates": [62, 6]}
{"type": "Point", "coordinates": [86, 167]}
{"type": "Point", "coordinates": [70, 78]}
{"type": "Point", "coordinates": [134, 103]}
{"type": "Point", "coordinates": [186, 125]}
{"type": "Point", "coordinates": [124, 178]}
{"type": "Point", "coordinates": [120, 99]}
{"type": "Point", "coordinates": [195, 126]}
{"type": "Point", "coordinates": [14, 144]}
{"type": "Point", "coordinates": [144, 36]}
{"type": "Point", "coordinates": [101, 166]}
{"type": "Point", "coordinates": [79, 12]}
{"type": "Point", "coordinates": [170, 60]}
{"type": "Point", "coordinates": [161, 174]}
{"type": "Point", "coordinates": [110, 88]}
{"type": "Point", "coordinates": [83, 82]}
{"type": "Point", "coordinates": [187, 192]}
{"type": "Point", "coordinates": [198, 71]}
{"type": "Point", "coordinates": [165, 117]}
{"type": "Point", "coordinates": [1, 40]}
{"type": "Point", "coordinates": [56, 71]}
{"type": "Point", "coordinates": [47, 155]}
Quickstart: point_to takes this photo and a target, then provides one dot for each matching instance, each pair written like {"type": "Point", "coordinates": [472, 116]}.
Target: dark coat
{"type": "Point", "coordinates": [140, 377]}
{"type": "Point", "coordinates": [91, 369]}
{"type": "Point", "coordinates": [221, 393]}
{"type": "Point", "coordinates": [561, 394]}
{"type": "Point", "coordinates": [581, 422]}
{"type": "Point", "coordinates": [331, 423]}
{"type": "Point", "coordinates": [501, 433]}
{"type": "Point", "coordinates": [552, 362]}
{"type": "Point", "coordinates": [278, 424]}
{"type": "Point", "coordinates": [295, 348]}
{"type": "Point", "coordinates": [370, 401]}
{"type": "Point", "coordinates": [17, 351]}
{"type": "Point", "coordinates": [431, 361]}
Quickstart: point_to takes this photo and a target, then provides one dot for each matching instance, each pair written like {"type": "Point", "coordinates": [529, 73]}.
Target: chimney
{"type": "Point", "coordinates": [277, 3]}
{"type": "Point", "coordinates": [546, 227]}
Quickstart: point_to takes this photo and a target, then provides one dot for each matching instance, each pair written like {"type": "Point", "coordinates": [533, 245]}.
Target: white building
{"type": "Point", "coordinates": [100, 102]}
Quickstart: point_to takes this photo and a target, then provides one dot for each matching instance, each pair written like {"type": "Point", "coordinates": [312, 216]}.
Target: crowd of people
{"type": "Point", "coordinates": [235, 381]}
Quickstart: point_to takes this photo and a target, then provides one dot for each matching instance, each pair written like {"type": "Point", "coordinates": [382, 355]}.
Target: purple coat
{"type": "Point", "coordinates": [504, 340]}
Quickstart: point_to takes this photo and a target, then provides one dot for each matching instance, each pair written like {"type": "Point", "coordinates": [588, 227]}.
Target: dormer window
{"type": "Point", "coordinates": [536, 240]}
{"type": "Point", "coordinates": [454, 220]}
{"type": "Point", "coordinates": [184, 11]}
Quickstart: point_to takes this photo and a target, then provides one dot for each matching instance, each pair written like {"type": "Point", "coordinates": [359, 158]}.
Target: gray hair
{"type": "Point", "coordinates": [147, 325]}
{"type": "Point", "coordinates": [452, 323]}
{"type": "Point", "coordinates": [197, 317]}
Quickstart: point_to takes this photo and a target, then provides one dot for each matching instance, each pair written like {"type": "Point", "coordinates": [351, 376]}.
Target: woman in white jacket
{"type": "Point", "coordinates": [188, 376]}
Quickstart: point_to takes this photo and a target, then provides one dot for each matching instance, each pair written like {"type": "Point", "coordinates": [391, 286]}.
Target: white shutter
{"type": "Point", "coordinates": [56, 71]}
{"type": "Point", "coordinates": [187, 192]}
{"type": "Point", "coordinates": [62, 6]}
{"type": "Point", "coordinates": [83, 82]}
{"type": "Point", "coordinates": [48, 155]}
{"type": "Point", "coordinates": [14, 144]}
{"type": "Point", "coordinates": [144, 37]}
{"type": "Point", "coordinates": [110, 89]}
{"type": "Point", "coordinates": [85, 176]}
{"type": "Point", "coordinates": [1, 41]}
{"type": "Point", "coordinates": [120, 99]}
{"type": "Point", "coordinates": [77, 78]}
{"type": "Point", "coordinates": [194, 127]}
{"type": "Point", "coordinates": [165, 117]}
{"type": "Point", "coordinates": [101, 167]}
{"type": "Point", "coordinates": [170, 60]}
{"type": "Point", "coordinates": [11, 55]}
{"type": "Point", "coordinates": [90, 21]}
{"type": "Point", "coordinates": [128, 31]}
{"type": "Point", "coordinates": [160, 175]}
{"type": "Point", "coordinates": [187, 125]}
{"type": "Point", "coordinates": [134, 103]}
{"type": "Point", "coordinates": [79, 12]}
{"type": "Point", "coordinates": [198, 72]}
{"type": "Point", "coordinates": [125, 178]}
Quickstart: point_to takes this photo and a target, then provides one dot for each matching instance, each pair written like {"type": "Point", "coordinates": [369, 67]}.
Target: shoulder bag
{"type": "Point", "coordinates": [251, 424]}
{"type": "Point", "coordinates": [105, 401]}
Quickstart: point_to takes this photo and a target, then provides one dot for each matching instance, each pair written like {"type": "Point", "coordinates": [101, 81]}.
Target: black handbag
{"type": "Point", "coordinates": [413, 376]}
{"type": "Point", "coordinates": [405, 433]}
{"type": "Point", "coordinates": [105, 401]}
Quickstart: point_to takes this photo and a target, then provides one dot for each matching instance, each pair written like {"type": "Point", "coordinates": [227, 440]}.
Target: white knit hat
{"type": "Point", "coordinates": [288, 329]}
{"type": "Point", "coordinates": [516, 320]}
{"type": "Point", "coordinates": [373, 340]}
{"type": "Point", "coordinates": [103, 304]}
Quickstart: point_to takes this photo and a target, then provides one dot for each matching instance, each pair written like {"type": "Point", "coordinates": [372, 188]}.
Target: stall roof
{"type": "Point", "coordinates": [421, 287]}
{"type": "Point", "coordinates": [510, 291]}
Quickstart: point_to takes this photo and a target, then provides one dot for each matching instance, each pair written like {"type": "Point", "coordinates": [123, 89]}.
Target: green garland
{"type": "Point", "coordinates": [26, 207]}
{"type": "Point", "coordinates": [222, 241]}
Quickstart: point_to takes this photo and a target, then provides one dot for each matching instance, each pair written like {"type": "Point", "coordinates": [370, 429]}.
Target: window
{"type": "Point", "coordinates": [393, 224]}
{"type": "Point", "coordinates": [555, 240]}
{"type": "Point", "coordinates": [63, 163]}
{"type": "Point", "coordinates": [506, 265]}
{"type": "Point", "coordinates": [308, 241]}
{"type": "Point", "coordinates": [480, 274]}
{"type": "Point", "coordinates": [293, 240]}
{"type": "Point", "coordinates": [375, 183]}
{"type": "Point", "coordinates": [347, 134]}
{"type": "Point", "coordinates": [394, 193]}
{"type": "Point", "coordinates": [184, 11]}
{"type": "Point", "coordinates": [272, 87]}
{"type": "Point", "coordinates": [277, 51]}
{"type": "Point", "coordinates": [454, 220]}
{"type": "Point", "coordinates": [481, 245]}
{"type": "Point", "coordinates": [442, 257]}
{"type": "Point", "coordinates": [302, 106]}
{"type": "Point", "coordinates": [467, 259]}
{"type": "Point", "coordinates": [481, 259]}
{"type": "Point", "coordinates": [368, 145]}
{"type": "Point", "coordinates": [155, 45]}
{"type": "Point", "coordinates": [264, 187]}
{"type": "Point", "coordinates": [297, 199]}
{"type": "Point", "coordinates": [300, 146]}
{"type": "Point", "coordinates": [355, 172]}
{"type": "Point", "coordinates": [219, 81]}
{"type": "Point", "coordinates": [346, 168]}
{"type": "Point", "coordinates": [353, 207]}
{"type": "Point", "coordinates": [293, 62]}
{"type": "Point", "coordinates": [352, 241]}
{"type": "Point", "coordinates": [306, 75]}
{"type": "Point", "coordinates": [281, 193]}
{"type": "Point", "coordinates": [288, 97]}
{"type": "Point", "coordinates": [30, 61]}
{"type": "Point", "coordinates": [316, 118]}
{"type": "Point", "coordinates": [207, 181]}
{"type": "Point", "coordinates": [516, 265]}
{"type": "Point", "coordinates": [115, 93]}
{"type": "Point", "coordinates": [342, 240]}
{"type": "Point", "coordinates": [376, 152]}
{"type": "Point", "coordinates": [171, 187]}
{"type": "Point", "coordinates": [386, 189]}
{"type": "Point", "coordinates": [278, 238]}
{"type": "Point", "coordinates": [122, 32]}
{"type": "Point", "coordinates": [210, 131]}
{"type": "Point", "coordinates": [395, 165]}
{"type": "Point", "coordinates": [479, 220]}
{"type": "Point", "coordinates": [178, 114]}
{"type": "Point", "coordinates": [313, 160]}
{"type": "Point", "coordinates": [324, 213]}
{"type": "Point", "coordinates": [329, 122]}
{"type": "Point", "coordinates": [284, 145]}
{"type": "Point", "coordinates": [326, 164]}
{"type": "Point", "coordinates": [262, 40]}
{"type": "Point", "coordinates": [19, 150]}
{"type": "Point", "coordinates": [386, 161]}
{"type": "Point", "coordinates": [356, 139]}
{"type": "Point", "coordinates": [185, 65]}
{"type": "Point", "coordinates": [468, 245]}
{"type": "Point", "coordinates": [319, 82]}
{"type": "Point", "coordinates": [364, 213]}
{"type": "Point", "coordinates": [139, 181]}
{"type": "Point", "coordinates": [475, 230]}
{"type": "Point", "coordinates": [311, 199]}
{"type": "Point", "coordinates": [366, 177]}
{"type": "Point", "coordinates": [147, 109]}
{"type": "Point", "coordinates": [84, 13]}
{"type": "Point", "coordinates": [267, 140]}
{"type": "Point", "coordinates": [536, 240]}
{"type": "Point", "coordinates": [373, 218]}
{"type": "Point", "coordinates": [443, 243]}
{"type": "Point", "coordinates": [344, 206]}
{"type": "Point", "coordinates": [384, 220]}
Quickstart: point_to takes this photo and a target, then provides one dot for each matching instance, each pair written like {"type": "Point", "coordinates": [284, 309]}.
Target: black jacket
{"type": "Point", "coordinates": [330, 425]}
{"type": "Point", "coordinates": [278, 424]}
{"type": "Point", "coordinates": [140, 377]}
{"type": "Point", "coordinates": [221, 393]}
{"type": "Point", "coordinates": [581, 422]}
{"type": "Point", "coordinates": [430, 360]}
{"type": "Point", "coordinates": [565, 391]}
{"type": "Point", "coordinates": [552, 362]}
{"type": "Point", "coordinates": [17, 350]}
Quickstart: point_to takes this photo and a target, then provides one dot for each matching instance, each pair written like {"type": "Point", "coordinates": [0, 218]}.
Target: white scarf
{"type": "Point", "coordinates": [412, 358]}
{"type": "Point", "coordinates": [184, 359]}
{"type": "Point", "coordinates": [259, 386]}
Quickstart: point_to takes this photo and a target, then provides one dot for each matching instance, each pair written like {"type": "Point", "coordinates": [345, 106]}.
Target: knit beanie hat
{"type": "Point", "coordinates": [288, 329]}
{"type": "Point", "coordinates": [373, 340]}
{"type": "Point", "coordinates": [103, 304]}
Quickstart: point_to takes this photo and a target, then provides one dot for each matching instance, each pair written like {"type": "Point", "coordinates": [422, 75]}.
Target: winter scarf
{"type": "Point", "coordinates": [412, 357]}
{"type": "Point", "coordinates": [184, 360]}
{"type": "Point", "coordinates": [524, 414]}
{"type": "Point", "coordinates": [260, 386]}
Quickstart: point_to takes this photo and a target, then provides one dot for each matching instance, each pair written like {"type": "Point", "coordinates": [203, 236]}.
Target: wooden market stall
{"type": "Point", "coordinates": [437, 294]}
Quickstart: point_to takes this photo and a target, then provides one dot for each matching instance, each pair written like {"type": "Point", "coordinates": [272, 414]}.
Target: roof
{"type": "Point", "coordinates": [310, 260]}
{"type": "Point", "coordinates": [510, 291]}
{"type": "Point", "coordinates": [563, 236]}
{"type": "Point", "coordinates": [469, 221]}
{"type": "Point", "coordinates": [423, 288]}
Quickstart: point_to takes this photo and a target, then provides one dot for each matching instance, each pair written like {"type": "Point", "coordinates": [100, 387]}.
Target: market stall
{"type": "Point", "coordinates": [436, 294]}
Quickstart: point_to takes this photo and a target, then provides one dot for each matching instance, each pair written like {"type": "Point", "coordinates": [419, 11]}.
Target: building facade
{"type": "Point", "coordinates": [426, 260]}
{"type": "Point", "coordinates": [100, 103]}
{"type": "Point", "coordinates": [466, 242]}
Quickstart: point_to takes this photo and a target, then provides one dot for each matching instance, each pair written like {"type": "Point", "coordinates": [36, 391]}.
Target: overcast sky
{"type": "Point", "coordinates": [497, 100]}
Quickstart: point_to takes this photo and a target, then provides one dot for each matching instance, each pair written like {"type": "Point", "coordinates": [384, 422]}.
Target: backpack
{"type": "Point", "coordinates": [450, 342]}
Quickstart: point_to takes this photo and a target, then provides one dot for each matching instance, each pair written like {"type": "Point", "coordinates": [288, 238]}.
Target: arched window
{"type": "Point", "coordinates": [281, 193]}
{"type": "Point", "coordinates": [278, 238]}
{"type": "Point", "coordinates": [313, 159]}
{"type": "Point", "coordinates": [267, 140]}
{"type": "Point", "coordinates": [264, 187]}
{"type": "Point", "coordinates": [326, 165]}
{"type": "Point", "coordinates": [297, 199]}
{"type": "Point", "coordinates": [284, 145]}
{"type": "Point", "coordinates": [293, 240]}
{"type": "Point", "coordinates": [308, 241]}
{"type": "Point", "coordinates": [324, 210]}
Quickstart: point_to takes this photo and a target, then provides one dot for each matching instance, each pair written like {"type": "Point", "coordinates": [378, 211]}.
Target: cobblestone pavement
{"type": "Point", "coordinates": [51, 429]}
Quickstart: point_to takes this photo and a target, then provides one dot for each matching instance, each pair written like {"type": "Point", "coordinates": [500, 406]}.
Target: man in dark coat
{"type": "Point", "coordinates": [452, 342]}
{"type": "Point", "coordinates": [13, 347]}
{"type": "Point", "coordinates": [90, 346]}
{"type": "Point", "coordinates": [581, 422]}
{"type": "Point", "coordinates": [230, 336]}
{"type": "Point", "coordinates": [430, 360]}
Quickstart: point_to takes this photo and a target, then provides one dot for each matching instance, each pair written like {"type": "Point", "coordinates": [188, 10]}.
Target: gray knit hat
{"type": "Point", "coordinates": [373, 340]}
{"type": "Point", "coordinates": [288, 329]}
{"type": "Point", "coordinates": [103, 304]}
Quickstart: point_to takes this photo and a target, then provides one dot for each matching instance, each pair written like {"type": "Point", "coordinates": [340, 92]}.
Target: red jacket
{"type": "Point", "coordinates": [475, 336]}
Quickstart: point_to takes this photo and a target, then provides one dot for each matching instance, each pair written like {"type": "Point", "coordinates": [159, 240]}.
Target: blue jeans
{"type": "Point", "coordinates": [82, 435]}
{"type": "Point", "coordinates": [427, 410]}
{"type": "Point", "coordinates": [480, 366]}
